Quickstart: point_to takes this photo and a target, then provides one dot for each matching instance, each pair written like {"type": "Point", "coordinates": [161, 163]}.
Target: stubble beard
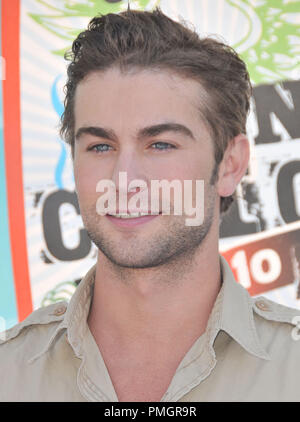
{"type": "Point", "coordinates": [173, 242]}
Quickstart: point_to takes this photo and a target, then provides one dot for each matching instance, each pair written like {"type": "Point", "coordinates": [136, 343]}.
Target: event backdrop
{"type": "Point", "coordinates": [44, 250]}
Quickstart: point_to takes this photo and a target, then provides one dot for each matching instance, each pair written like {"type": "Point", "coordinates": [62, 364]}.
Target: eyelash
{"type": "Point", "coordinates": [170, 146]}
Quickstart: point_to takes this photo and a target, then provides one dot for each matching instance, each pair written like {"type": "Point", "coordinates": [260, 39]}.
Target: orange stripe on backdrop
{"type": "Point", "coordinates": [13, 154]}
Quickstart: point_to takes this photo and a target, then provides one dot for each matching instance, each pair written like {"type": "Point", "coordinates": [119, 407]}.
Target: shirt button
{"type": "Point", "coordinates": [262, 305]}
{"type": "Point", "coordinates": [60, 310]}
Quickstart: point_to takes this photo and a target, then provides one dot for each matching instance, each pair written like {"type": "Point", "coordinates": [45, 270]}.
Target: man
{"type": "Point", "coordinates": [160, 316]}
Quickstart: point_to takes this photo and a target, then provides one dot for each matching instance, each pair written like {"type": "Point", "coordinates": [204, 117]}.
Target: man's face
{"type": "Point", "coordinates": [130, 112]}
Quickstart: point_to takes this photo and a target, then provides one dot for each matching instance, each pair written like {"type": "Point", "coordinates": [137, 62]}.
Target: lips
{"type": "Point", "coordinates": [133, 214]}
{"type": "Point", "coordinates": [130, 220]}
{"type": "Point", "coordinates": [134, 211]}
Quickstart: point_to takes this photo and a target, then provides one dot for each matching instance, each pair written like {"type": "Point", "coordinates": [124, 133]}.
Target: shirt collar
{"type": "Point", "coordinates": [75, 319]}
{"type": "Point", "coordinates": [232, 313]}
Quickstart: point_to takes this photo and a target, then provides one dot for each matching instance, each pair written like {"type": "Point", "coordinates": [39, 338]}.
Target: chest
{"type": "Point", "coordinates": [137, 381]}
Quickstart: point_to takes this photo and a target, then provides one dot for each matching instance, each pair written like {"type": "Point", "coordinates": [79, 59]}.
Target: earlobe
{"type": "Point", "coordinates": [234, 165]}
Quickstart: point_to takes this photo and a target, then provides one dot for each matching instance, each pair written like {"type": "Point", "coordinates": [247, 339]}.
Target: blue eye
{"type": "Point", "coordinates": [163, 145]}
{"type": "Point", "coordinates": [100, 148]}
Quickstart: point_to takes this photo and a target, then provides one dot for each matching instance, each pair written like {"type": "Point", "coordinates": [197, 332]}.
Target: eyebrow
{"type": "Point", "coordinates": [146, 132]}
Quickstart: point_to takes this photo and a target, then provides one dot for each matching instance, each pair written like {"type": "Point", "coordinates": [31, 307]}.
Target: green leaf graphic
{"type": "Point", "coordinates": [276, 52]}
{"type": "Point", "coordinates": [272, 57]}
{"type": "Point", "coordinates": [60, 16]}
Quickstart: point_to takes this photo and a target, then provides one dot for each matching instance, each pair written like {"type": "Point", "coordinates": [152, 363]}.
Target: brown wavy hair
{"type": "Point", "coordinates": [140, 39]}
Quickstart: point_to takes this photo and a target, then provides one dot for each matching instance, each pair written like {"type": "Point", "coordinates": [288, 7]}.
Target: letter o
{"type": "Point", "coordinates": [274, 263]}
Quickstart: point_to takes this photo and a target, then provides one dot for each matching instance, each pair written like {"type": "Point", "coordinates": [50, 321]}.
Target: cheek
{"type": "Point", "coordinates": [182, 167]}
{"type": "Point", "coordinates": [192, 167]}
{"type": "Point", "coordinates": [86, 179]}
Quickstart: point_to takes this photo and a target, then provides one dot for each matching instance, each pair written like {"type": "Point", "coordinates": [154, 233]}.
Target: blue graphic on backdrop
{"type": "Point", "coordinates": [59, 108]}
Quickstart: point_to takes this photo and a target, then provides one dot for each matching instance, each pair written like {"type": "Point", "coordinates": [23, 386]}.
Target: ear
{"type": "Point", "coordinates": [234, 165]}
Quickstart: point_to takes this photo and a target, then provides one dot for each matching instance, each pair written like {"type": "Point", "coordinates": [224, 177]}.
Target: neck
{"type": "Point", "coordinates": [155, 305]}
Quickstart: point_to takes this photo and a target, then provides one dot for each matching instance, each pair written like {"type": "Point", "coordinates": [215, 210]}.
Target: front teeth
{"type": "Point", "coordinates": [139, 214]}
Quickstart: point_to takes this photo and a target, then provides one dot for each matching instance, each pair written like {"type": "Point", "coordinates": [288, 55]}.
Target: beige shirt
{"type": "Point", "coordinates": [249, 352]}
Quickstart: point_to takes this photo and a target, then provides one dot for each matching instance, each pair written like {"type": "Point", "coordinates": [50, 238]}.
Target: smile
{"type": "Point", "coordinates": [131, 220]}
{"type": "Point", "coordinates": [133, 215]}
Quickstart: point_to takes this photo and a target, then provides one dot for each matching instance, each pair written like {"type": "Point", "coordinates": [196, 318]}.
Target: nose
{"type": "Point", "coordinates": [129, 173]}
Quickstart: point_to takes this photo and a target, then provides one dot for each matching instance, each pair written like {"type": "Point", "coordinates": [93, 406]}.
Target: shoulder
{"type": "Point", "coordinates": [19, 347]}
{"type": "Point", "coordinates": [278, 326]}
{"type": "Point", "coordinates": [273, 311]}
{"type": "Point", "coordinates": [34, 330]}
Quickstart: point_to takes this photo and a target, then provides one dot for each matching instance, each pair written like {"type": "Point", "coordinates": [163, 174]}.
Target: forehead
{"type": "Point", "coordinates": [137, 97]}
